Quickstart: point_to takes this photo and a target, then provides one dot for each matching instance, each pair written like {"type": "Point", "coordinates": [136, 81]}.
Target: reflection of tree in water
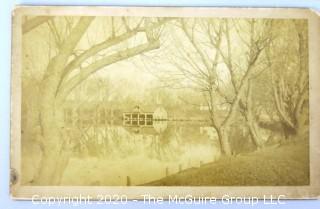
{"type": "Point", "coordinates": [166, 145]}
{"type": "Point", "coordinates": [99, 141]}
{"type": "Point", "coordinates": [160, 142]}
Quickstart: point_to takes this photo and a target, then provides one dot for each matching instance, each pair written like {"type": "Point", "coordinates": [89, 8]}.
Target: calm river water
{"type": "Point", "coordinates": [142, 154]}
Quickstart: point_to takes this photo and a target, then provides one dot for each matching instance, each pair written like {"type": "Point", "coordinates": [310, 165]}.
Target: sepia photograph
{"type": "Point", "coordinates": [165, 98]}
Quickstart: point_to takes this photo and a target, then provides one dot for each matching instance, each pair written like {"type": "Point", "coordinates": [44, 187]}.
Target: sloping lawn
{"type": "Point", "coordinates": [287, 164]}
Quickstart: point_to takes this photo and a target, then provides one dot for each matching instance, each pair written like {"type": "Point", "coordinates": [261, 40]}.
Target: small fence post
{"type": "Point", "coordinates": [128, 181]}
{"type": "Point", "coordinates": [167, 171]}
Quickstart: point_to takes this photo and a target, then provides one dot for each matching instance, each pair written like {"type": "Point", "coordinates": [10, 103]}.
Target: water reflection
{"type": "Point", "coordinates": [157, 127]}
{"type": "Point", "coordinates": [144, 153]}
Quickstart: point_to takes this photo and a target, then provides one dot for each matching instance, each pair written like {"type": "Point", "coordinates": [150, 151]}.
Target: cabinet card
{"type": "Point", "coordinates": [165, 101]}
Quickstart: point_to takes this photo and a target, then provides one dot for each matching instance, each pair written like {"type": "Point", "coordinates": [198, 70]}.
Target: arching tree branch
{"type": "Point", "coordinates": [34, 22]}
{"type": "Point", "coordinates": [108, 60]}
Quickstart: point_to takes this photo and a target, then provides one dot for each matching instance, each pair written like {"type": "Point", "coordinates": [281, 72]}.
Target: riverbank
{"type": "Point", "coordinates": [281, 165]}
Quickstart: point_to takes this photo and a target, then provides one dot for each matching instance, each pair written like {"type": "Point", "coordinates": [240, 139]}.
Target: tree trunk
{"type": "Point", "coordinates": [62, 163]}
{"type": "Point", "coordinates": [51, 113]}
{"type": "Point", "coordinates": [254, 133]}
{"type": "Point", "coordinates": [224, 141]}
{"type": "Point", "coordinates": [250, 118]}
{"type": "Point", "coordinates": [51, 147]}
{"type": "Point", "coordinates": [288, 130]}
{"type": "Point", "coordinates": [223, 138]}
{"type": "Point", "coordinates": [54, 156]}
{"type": "Point", "coordinates": [51, 122]}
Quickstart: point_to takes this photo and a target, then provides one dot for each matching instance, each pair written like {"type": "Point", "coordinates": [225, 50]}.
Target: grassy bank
{"type": "Point", "coordinates": [286, 164]}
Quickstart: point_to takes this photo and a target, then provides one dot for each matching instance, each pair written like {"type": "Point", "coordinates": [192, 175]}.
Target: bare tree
{"type": "Point", "coordinates": [290, 77]}
{"type": "Point", "coordinates": [67, 69]}
{"type": "Point", "coordinates": [211, 53]}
